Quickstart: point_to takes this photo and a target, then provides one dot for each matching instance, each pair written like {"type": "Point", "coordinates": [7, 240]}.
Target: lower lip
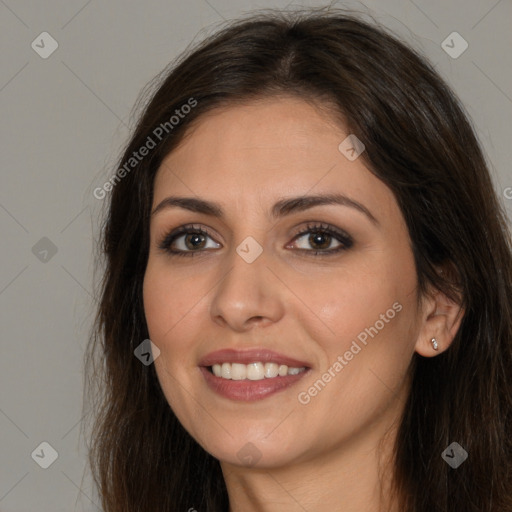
{"type": "Point", "coordinates": [249, 390]}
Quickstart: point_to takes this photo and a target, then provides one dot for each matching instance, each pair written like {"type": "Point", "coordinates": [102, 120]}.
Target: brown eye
{"type": "Point", "coordinates": [194, 241]}
{"type": "Point", "coordinates": [320, 238]}
{"type": "Point", "coordinates": [186, 241]}
{"type": "Point", "coordinates": [189, 241]}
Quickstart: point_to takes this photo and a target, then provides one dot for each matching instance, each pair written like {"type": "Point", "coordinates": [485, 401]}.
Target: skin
{"type": "Point", "coordinates": [327, 452]}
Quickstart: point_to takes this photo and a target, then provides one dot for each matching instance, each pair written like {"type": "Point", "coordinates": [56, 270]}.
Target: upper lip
{"type": "Point", "coordinates": [248, 356]}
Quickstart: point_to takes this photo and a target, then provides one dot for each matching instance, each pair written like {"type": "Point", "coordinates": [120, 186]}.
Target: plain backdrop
{"type": "Point", "coordinates": [64, 120]}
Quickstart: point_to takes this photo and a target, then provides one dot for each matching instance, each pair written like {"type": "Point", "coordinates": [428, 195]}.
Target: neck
{"type": "Point", "coordinates": [351, 477]}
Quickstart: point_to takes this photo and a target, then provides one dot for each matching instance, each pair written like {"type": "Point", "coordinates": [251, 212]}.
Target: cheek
{"type": "Point", "coordinates": [366, 359]}
{"type": "Point", "coordinates": [173, 311]}
{"type": "Point", "coordinates": [370, 311]}
{"type": "Point", "coordinates": [165, 307]}
{"type": "Point", "coordinates": [155, 300]}
{"type": "Point", "coordinates": [349, 301]}
{"type": "Point", "coordinates": [166, 298]}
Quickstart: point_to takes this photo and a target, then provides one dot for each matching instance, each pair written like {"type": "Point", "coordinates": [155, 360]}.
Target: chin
{"type": "Point", "coordinates": [254, 447]}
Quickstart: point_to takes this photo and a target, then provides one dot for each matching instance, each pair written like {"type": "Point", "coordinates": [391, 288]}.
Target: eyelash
{"type": "Point", "coordinates": [344, 239]}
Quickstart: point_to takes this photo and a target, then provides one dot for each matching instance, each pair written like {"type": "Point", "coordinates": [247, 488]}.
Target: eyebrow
{"type": "Point", "coordinates": [281, 208]}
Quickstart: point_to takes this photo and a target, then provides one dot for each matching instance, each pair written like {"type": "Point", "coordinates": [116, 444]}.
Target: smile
{"type": "Point", "coordinates": [253, 371]}
{"type": "Point", "coordinates": [251, 374]}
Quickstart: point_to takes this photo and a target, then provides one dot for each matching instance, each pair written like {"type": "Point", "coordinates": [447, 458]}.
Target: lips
{"type": "Point", "coordinates": [247, 390]}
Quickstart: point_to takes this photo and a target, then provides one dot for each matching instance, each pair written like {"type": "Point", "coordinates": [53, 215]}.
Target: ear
{"type": "Point", "coordinates": [441, 319]}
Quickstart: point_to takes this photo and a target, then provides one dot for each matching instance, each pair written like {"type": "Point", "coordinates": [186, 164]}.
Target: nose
{"type": "Point", "coordinates": [248, 295]}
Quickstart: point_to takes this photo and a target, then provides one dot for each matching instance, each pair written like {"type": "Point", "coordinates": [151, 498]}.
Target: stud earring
{"type": "Point", "coordinates": [434, 344]}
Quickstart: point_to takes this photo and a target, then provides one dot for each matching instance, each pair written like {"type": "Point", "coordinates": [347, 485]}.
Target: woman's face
{"type": "Point", "coordinates": [253, 288]}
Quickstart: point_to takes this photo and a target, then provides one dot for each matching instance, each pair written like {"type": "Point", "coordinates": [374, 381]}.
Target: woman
{"type": "Point", "coordinates": [304, 226]}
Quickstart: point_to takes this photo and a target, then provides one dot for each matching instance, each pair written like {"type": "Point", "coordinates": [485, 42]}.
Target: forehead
{"type": "Point", "coordinates": [266, 149]}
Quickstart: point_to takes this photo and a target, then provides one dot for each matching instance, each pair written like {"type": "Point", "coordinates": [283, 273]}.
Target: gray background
{"type": "Point", "coordinates": [64, 120]}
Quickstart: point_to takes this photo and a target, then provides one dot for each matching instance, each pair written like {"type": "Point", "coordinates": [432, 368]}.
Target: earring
{"type": "Point", "coordinates": [434, 343]}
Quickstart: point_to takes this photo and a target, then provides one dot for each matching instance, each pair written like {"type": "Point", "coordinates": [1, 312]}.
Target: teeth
{"type": "Point", "coordinates": [271, 370]}
{"type": "Point", "coordinates": [225, 370]}
{"type": "Point", "coordinates": [253, 371]}
{"type": "Point", "coordinates": [238, 371]}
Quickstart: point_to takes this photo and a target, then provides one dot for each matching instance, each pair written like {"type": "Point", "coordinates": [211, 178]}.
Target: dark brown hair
{"type": "Point", "coordinates": [420, 143]}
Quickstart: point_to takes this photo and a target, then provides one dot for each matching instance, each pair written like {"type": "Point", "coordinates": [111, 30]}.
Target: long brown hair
{"type": "Point", "coordinates": [420, 143]}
